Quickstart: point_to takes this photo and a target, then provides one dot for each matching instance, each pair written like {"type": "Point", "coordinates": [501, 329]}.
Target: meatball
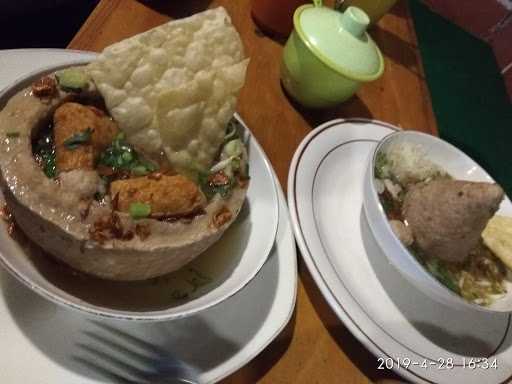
{"type": "Point", "coordinates": [447, 217]}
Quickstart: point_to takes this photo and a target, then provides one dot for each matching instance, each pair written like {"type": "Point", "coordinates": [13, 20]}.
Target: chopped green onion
{"type": "Point", "coordinates": [120, 136]}
{"type": "Point", "coordinates": [12, 134]}
{"type": "Point", "coordinates": [380, 166]}
{"type": "Point", "coordinates": [236, 163]}
{"type": "Point", "coordinates": [233, 148]}
{"type": "Point", "coordinates": [72, 79]}
{"type": "Point", "coordinates": [139, 210]}
{"type": "Point", "coordinates": [150, 166]}
{"type": "Point", "coordinates": [140, 170]}
{"type": "Point", "coordinates": [442, 274]}
{"type": "Point", "coordinates": [197, 279]}
{"type": "Point", "coordinates": [127, 156]}
{"type": "Point", "coordinates": [49, 165]}
{"type": "Point", "coordinates": [44, 152]}
{"type": "Point", "coordinates": [78, 139]}
{"type": "Point", "coordinates": [177, 294]}
{"type": "Point", "coordinates": [121, 156]}
{"type": "Point", "coordinates": [245, 170]}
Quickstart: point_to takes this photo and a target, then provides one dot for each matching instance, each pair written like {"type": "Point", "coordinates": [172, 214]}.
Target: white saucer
{"type": "Point", "coordinates": [39, 337]}
{"type": "Point", "coordinates": [394, 320]}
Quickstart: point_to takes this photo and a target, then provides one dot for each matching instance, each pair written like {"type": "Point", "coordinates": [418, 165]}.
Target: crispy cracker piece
{"type": "Point", "coordinates": [497, 236]}
{"type": "Point", "coordinates": [174, 88]}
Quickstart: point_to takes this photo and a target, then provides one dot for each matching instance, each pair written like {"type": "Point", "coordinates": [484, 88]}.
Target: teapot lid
{"type": "Point", "coordinates": [340, 40]}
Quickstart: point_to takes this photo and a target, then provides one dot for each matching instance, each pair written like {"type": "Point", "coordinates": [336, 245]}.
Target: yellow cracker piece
{"type": "Point", "coordinates": [174, 88]}
{"type": "Point", "coordinates": [497, 236]}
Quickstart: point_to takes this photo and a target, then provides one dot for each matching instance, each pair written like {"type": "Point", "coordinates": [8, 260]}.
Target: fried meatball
{"type": "Point", "coordinates": [71, 119]}
{"type": "Point", "coordinates": [167, 195]}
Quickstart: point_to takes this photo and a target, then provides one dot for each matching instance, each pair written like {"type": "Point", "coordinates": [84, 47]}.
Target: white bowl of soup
{"type": "Point", "coordinates": [427, 204]}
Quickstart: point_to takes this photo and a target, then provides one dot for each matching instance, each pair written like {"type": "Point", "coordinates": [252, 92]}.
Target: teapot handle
{"type": "Point", "coordinates": [318, 3]}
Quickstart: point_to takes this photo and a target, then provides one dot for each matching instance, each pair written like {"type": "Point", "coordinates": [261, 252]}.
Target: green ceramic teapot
{"type": "Point", "coordinates": [328, 55]}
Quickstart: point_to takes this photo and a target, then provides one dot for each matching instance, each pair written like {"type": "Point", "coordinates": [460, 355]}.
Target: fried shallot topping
{"type": "Point", "coordinates": [108, 228]}
{"type": "Point", "coordinates": [187, 217]}
{"type": "Point", "coordinates": [84, 207]}
{"type": "Point", "coordinates": [221, 217]}
{"type": "Point", "coordinates": [219, 178]}
{"type": "Point", "coordinates": [6, 215]}
{"type": "Point", "coordinates": [98, 112]}
{"type": "Point", "coordinates": [143, 231]}
{"type": "Point", "coordinates": [155, 176]}
{"type": "Point", "coordinates": [115, 202]}
{"type": "Point", "coordinates": [243, 183]}
{"type": "Point", "coordinates": [44, 87]}
{"type": "Point", "coordinates": [114, 173]}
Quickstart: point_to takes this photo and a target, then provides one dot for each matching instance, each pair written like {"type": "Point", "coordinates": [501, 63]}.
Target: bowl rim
{"type": "Point", "coordinates": [104, 312]}
{"type": "Point", "coordinates": [387, 226]}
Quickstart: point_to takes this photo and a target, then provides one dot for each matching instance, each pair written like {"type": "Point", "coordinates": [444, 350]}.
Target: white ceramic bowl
{"type": "Point", "coordinates": [212, 277]}
{"type": "Point", "coordinates": [460, 166]}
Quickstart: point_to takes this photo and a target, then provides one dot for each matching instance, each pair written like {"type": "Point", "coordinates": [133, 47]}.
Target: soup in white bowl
{"type": "Point", "coordinates": [437, 215]}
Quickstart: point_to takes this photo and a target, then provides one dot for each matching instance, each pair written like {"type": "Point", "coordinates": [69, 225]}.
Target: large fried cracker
{"type": "Point", "coordinates": [174, 88]}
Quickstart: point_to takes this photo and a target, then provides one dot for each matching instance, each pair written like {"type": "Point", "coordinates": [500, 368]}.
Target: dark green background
{"type": "Point", "coordinates": [469, 98]}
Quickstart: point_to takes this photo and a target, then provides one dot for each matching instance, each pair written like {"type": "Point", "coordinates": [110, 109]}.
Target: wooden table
{"type": "Point", "coordinates": [315, 347]}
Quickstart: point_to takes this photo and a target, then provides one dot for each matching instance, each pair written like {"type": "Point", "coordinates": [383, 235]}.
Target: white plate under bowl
{"type": "Point", "coordinates": [212, 277]}
{"type": "Point", "coordinates": [39, 337]}
{"type": "Point", "coordinates": [408, 331]}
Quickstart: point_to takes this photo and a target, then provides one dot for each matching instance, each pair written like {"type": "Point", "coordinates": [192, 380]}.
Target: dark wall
{"type": "Point", "coordinates": [42, 23]}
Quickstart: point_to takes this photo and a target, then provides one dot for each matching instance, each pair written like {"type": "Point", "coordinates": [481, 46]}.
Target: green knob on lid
{"type": "Point", "coordinates": [340, 40]}
{"type": "Point", "coordinates": [355, 21]}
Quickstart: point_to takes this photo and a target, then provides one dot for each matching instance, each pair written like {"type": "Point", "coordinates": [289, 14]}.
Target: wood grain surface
{"type": "Point", "coordinates": [315, 347]}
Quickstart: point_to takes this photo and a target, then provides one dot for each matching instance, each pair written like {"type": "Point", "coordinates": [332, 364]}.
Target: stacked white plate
{"type": "Point", "coordinates": [420, 339]}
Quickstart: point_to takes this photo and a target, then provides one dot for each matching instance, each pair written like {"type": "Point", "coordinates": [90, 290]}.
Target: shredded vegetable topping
{"type": "Point", "coordinates": [232, 164]}
{"type": "Point", "coordinates": [44, 153]}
